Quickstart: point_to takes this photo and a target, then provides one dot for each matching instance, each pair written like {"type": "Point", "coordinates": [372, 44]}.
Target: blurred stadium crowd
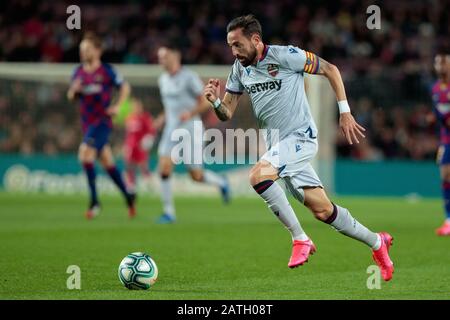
{"type": "Point", "coordinates": [387, 72]}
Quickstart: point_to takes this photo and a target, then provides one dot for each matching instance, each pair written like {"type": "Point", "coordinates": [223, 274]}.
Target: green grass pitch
{"type": "Point", "coordinates": [214, 251]}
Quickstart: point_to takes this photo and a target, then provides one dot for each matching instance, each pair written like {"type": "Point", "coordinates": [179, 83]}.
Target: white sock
{"type": "Point", "coordinates": [349, 226]}
{"type": "Point", "coordinates": [277, 201]}
{"type": "Point", "coordinates": [213, 178]}
{"type": "Point", "coordinates": [166, 196]}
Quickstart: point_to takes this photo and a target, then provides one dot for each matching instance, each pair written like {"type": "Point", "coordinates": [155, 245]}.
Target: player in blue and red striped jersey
{"type": "Point", "coordinates": [92, 83]}
{"type": "Point", "coordinates": [441, 103]}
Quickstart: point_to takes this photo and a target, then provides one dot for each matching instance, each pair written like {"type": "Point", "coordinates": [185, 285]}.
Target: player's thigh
{"type": "Point", "coordinates": [86, 153]}
{"type": "Point", "coordinates": [106, 157]}
{"type": "Point", "coordinates": [261, 171]}
{"type": "Point", "coordinates": [318, 202]}
{"type": "Point", "coordinates": [165, 165]}
{"type": "Point", "coordinates": [97, 136]}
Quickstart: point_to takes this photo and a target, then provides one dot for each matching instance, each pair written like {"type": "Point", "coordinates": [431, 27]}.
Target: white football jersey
{"type": "Point", "coordinates": [276, 89]}
{"type": "Point", "coordinates": [179, 93]}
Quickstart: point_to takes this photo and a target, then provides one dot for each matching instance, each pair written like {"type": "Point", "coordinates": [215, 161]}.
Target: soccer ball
{"type": "Point", "coordinates": [138, 271]}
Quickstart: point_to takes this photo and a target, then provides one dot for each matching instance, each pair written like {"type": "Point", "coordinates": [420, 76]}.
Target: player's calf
{"type": "Point", "coordinates": [167, 197]}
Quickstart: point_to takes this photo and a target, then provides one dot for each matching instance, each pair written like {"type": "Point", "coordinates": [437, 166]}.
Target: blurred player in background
{"type": "Point", "coordinates": [273, 76]}
{"type": "Point", "coordinates": [181, 93]}
{"type": "Point", "coordinates": [92, 83]}
{"type": "Point", "coordinates": [441, 103]}
{"type": "Point", "coordinates": [139, 138]}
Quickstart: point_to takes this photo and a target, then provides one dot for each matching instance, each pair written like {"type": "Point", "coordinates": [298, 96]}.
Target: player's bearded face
{"type": "Point", "coordinates": [242, 47]}
{"type": "Point", "coordinates": [248, 56]}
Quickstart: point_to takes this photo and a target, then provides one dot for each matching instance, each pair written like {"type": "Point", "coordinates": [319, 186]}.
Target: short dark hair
{"type": "Point", "coordinates": [92, 37]}
{"type": "Point", "coordinates": [172, 45]}
{"type": "Point", "coordinates": [248, 23]}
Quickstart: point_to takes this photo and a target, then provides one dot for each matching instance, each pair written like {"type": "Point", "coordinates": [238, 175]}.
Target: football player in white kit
{"type": "Point", "coordinates": [273, 77]}
{"type": "Point", "coordinates": [181, 93]}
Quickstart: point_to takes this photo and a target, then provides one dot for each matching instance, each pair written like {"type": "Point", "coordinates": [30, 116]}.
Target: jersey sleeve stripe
{"type": "Point", "coordinates": [232, 91]}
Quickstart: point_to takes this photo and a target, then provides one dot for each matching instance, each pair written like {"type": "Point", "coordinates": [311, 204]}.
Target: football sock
{"type": "Point", "coordinates": [166, 195]}
{"type": "Point", "coordinates": [342, 221]}
{"type": "Point", "coordinates": [131, 180]}
{"type": "Point", "coordinates": [210, 177]}
{"type": "Point", "coordinates": [89, 169]}
{"type": "Point", "coordinates": [277, 201]}
{"type": "Point", "coordinates": [117, 178]}
{"type": "Point", "coordinates": [446, 196]}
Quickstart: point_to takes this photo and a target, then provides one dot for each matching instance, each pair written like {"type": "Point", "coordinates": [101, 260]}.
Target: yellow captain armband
{"type": "Point", "coordinates": [311, 63]}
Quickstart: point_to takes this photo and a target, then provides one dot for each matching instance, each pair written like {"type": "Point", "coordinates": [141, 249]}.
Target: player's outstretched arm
{"type": "Point", "coordinates": [350, 128]}
{"type": "Point", "coordinates": [74, 89]}
{"type": "Point", "coordinates": [124, 93]}
{"type": "Point", "coordinates": [225, 108]}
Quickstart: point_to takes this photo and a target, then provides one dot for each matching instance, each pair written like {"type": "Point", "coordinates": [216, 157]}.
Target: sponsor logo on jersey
{"type": "Point", "coordinates": [273, 69]}
{"type": "Point", "coordinates": [93, 88]}
{"type": "Point", "coordinates": [265, 86]}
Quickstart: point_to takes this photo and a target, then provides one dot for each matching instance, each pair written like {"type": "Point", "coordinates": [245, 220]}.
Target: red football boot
{"type": "Point", "coordinates": [381, 256]}
{"type": "Point", "coordinates": [444, 230]}
{"type": "Point", "coordinates": [300, 252]}
{"type": "Point", "coordinates": [92, 212]}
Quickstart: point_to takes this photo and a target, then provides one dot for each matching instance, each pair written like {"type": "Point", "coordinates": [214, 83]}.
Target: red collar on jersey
{"type": "Point", "coordinates": [264, 54]}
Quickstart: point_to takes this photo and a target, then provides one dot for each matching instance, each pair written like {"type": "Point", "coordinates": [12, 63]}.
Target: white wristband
{"type": "Point", "coordinates": [217, 103]}
{"type": "Point", "coordinates": [343, 106]}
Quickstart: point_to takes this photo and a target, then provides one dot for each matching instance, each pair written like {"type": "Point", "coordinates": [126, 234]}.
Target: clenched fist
{"type": "Point", "coordinates": [212, 90]}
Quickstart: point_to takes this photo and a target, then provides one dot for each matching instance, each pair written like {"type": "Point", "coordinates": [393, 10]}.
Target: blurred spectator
{"type": "Point", "coordinates": [386, 72]}
{"type": "Point", "coordinates": [410, 30]}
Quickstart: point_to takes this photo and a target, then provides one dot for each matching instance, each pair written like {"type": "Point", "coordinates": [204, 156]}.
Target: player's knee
{"type": "Point", "coordinates": [255, 176]}
{"type": "Point", "coordinates": [321, 211]}
{"type": "Point", "coordinates": [85, 156]}
{"type": "Point", "coordinates": [165, 171]}
{"type": "Point", "coordinates": [196, 176]}
{"type": "Point", "coordinates": [106, 163]}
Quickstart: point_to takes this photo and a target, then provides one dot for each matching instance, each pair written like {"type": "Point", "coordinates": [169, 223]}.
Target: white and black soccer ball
{"type": "Point", "coordinates": [138, 271]}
